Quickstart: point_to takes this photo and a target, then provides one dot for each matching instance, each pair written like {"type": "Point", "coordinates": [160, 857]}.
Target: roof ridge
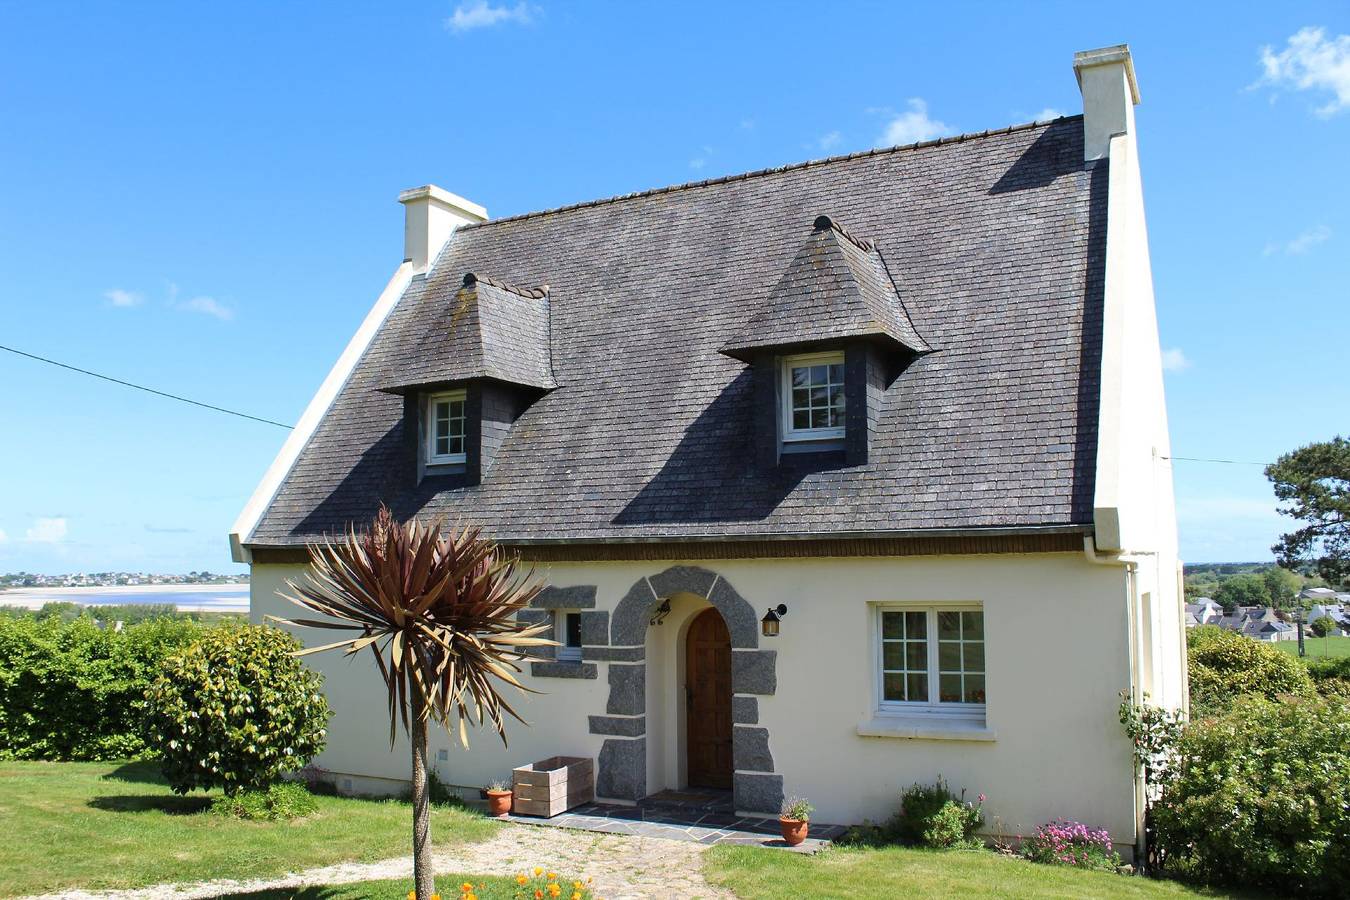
{"type": "Point", "coordinates": [539, 293]}
{"type": "Point", "coordinates": [824, 222]}
{"type": "Point", "coordinates": [772, 170]}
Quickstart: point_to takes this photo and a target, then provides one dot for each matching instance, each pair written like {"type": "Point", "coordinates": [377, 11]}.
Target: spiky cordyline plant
{"type": "Point", "coordinates": [438, 613]}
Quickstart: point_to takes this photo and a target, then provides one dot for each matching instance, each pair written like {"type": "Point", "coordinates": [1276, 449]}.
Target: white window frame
{"type": "Point", "coordinates": [828, 358]}
{"type": "Point", "coordinates": [429, 417]}
{"type": "Point", "coordinates": [564, 651]}
{"type": "Point", "coordinates": [932, 706]}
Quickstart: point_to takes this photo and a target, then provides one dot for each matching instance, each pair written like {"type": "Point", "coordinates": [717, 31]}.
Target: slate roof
{"type": "Point", "coordinates": [489, 329]}
{"type": "Point", "coordinates": [837, 287]}
{"type": "Point", "coordinates": [994, 241]}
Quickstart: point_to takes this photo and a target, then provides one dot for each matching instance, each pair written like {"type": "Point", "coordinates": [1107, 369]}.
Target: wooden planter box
{"type": "Point", "coordinates": [552, 786]}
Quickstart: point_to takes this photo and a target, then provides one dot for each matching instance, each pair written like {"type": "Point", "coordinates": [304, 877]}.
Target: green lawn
{"type": "Point", "coordinates": [1316, 646]}
{"type": "Point", "coordinates": [754, 873]}
{"type": "Point", "coordinates": [111, 825]}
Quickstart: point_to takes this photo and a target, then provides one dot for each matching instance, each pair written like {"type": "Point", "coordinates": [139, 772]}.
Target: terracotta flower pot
{"type": "Point", "coordinates": [794, 830]}
{"type": "Point", "coordinates": [499, 802]}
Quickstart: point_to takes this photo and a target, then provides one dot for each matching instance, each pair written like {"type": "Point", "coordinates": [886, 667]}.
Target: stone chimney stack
{"type": "Point", "coordinates": [430, 215]}
{"type": "Point", "coordinates": [1110, 93]}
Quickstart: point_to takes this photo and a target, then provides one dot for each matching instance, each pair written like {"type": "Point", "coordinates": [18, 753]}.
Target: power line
{"type": "Point", "coordinates": [141, 387]}
{"type": "Point", "coordinates": [1231, 462]}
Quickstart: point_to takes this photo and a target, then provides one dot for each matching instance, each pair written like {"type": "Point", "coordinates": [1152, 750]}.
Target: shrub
{"type": "Point", "coordinates": [235, 710]}
{"type": "Point", "coordinates": [277, 802]}
{"type": "Point", "coordinates": [1258, 797]}
{"type": "Point", "coordinates": [1225, 665]}
{"type": "Point", "coordinates": [1067, 843]}
{"type": "Point", "coordinates": [70, 690]}
{"type": "Point", "coordinates": [932, 816]}
{"type": "Point", "coordinates": [796, 808]}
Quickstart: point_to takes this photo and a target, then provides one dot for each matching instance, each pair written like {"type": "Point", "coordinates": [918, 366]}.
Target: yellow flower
{"type": "Point", "coordinates": [471, 896]}
{"type": "Point", "coordinates": [554, 890]}
{"type": "Point", "coordinates": [412, 895]}
{"type": "Point", "coordinates": [552, 876]}
{"type": "Point", "coordinates": [577, 885]}
{"type": "Point", "coordinates": [435, 897]}
{"type": "Point", "coordinates": [521, 879]}
{"type": "Point", "coordinates": [576, 895]}
{"type": "Point", "coordinates": [538, 871]}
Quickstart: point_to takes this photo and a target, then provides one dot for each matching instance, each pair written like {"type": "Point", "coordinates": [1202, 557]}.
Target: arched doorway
{"type": "Point", "coordinates": [708, 706]}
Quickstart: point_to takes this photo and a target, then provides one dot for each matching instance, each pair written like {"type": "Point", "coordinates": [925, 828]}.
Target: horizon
{"type": "Point", "coordinates": [236, 224]}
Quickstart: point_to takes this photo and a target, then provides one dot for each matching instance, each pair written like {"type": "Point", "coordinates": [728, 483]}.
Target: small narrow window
{"type": "Point", "coordinates": [813, 397]}
{"type": "Point", "coordinates": [567, 628]}
{"type": "Point", "coordinates": [445, 428]}
{"type": "Point", "coordinates": [931, 657]}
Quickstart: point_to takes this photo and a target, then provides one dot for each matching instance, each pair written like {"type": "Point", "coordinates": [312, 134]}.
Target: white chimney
{"type": "Point", "coordinates": [430, 215]}
{"type": "Point", "coordinates": [1110, 93]}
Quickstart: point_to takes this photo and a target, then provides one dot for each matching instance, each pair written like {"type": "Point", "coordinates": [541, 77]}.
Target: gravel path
{"type": "Point", "coordinates": [623, 867]}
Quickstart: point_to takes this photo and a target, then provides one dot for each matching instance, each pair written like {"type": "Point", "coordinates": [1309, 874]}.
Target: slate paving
{"type": "Point", "coordinates": [704, 818]}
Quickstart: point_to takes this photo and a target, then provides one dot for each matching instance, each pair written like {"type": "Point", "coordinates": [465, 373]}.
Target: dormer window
{"type": "Point", "coordinates": [813, 397]}
{"type": "Point", "coordinates": [445, 428]}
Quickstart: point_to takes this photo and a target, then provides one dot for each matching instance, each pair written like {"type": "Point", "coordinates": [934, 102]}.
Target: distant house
{"type": "Point", "coordinates": [913, 395]}
{"type": "Point", "coordinates": [1203, 611]}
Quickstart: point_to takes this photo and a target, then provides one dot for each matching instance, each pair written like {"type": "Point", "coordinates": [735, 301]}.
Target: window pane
{"type": "Point", "coordinates": [573, 637]}
{"type": "Point", "coordinates": [819, 374]}
{"type": "Point", "coordinates": [972, 625]}
{"type": "Point", "coordinates": [801, 398]}
{"type": "Point", "coordinates": [949, 656]}
{"type": "Point", "coordinates": [820, 417]}
{"type": "Point", "coordinates": [837, 373]}
{"type": "Point", "coordinates": [949, 688]}
{"type": "Point", "coordinates": [893, 687]}
{"type": "Point", "coordinates": [801, 376]}
{"type": "Point", "coordinates": [820, 396]}
{"type": "Point", "coordinates": [457, 444]}
{"type": "Point", "coordinates": [442, 445]}
{"type": "Point", "coordinates": [837, 397]}
{"type": "Point", "coordinates": [916, 624]}
{"type": "Point", "coordinates": [973, 653]}
{"type": "Point", "coordinates": [801, 418]}
{"type": "Point", "coordinates": [892, 625]}
{"type": "Point", "coordinates": [949, 626]}
{"type": "Point", "coordinates": [836, 418]}
{"type": "Point", "coordinates": [918, 688]}
{"type": "Point", "coordinates": [916, 656]}
{"type": "Point", "coordinates": [974, 689]}
{"type": "Point", "coordinates": [893, 655]}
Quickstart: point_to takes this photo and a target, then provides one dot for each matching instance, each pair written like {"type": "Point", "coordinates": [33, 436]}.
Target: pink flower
{"type": "Point", "coordinates": [980, 798]}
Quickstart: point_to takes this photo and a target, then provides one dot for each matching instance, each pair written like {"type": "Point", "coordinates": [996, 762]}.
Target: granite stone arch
{"type": "Point", "coordinates": [622, 768]}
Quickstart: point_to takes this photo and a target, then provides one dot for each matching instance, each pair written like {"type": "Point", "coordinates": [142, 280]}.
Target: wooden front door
{"type": "Point", "coordinates": [707, 672]}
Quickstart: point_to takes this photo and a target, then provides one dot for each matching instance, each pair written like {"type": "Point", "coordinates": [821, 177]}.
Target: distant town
{"type": "Point", "coordinates": [114, 579]}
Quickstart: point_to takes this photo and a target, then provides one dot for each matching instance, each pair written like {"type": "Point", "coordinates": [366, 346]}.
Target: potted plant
{"type": "Point", "coordinates": [793, 820]}
{"type": "Point", "coordinates": [499, 797]}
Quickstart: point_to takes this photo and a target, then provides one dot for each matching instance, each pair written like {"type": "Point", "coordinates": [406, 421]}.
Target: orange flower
{"type": "Point", "coordinates": [435, 897]}
{"type": "Point", "coordinates": [466, 887]}
{"type": "Point", "coordinates": [554, 890]}
{"type": "Point", "coordinates": [520, 879]}
{"type": "Point", "coordinates": [538, 894]}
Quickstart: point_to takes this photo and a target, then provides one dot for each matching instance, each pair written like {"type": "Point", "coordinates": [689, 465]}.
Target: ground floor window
{"type": "Point", "coordinates": [931, 658]}
{"type": "Point", "coordinates": [567, 632]}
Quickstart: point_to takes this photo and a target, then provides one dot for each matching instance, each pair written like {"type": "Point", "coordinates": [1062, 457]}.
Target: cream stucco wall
{"type": "Point", "coordinates": [1057, 655]}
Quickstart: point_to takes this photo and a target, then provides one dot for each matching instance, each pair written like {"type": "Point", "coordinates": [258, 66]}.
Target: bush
{"type": "Point", "coordinates": [1258, 797]}
{"type": "Point", "coordinates": [1067, 843]}
{"type": "Point", "coordinates": [235, 710]}
{"type": "Point", "coordinates": [932, 816]}
{"type": "Point", "coordinates": [278, 802]}
{"type": "Point", "coordinates": [1225, 665]}
{"type": "Point", "coordinates": [70, 690]}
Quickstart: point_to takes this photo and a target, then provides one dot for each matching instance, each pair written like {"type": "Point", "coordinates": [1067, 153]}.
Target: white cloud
{"type": "Point", "coordinates": [3, 537]}
{"type": "Point", "coordinates": [208, 306]}
{"type": "Point", "coordinates": [1312, 61]}
{"type": "Point", "coordinates": [1049, 114]}
{"type": "Point", "coordinates": [481, 14]}
{"type": "Point", "coordinates": [1301, 244]}
{"type": "Point", "coordinates": [1173, 360]}
{"type": "Point", "coordinates": [697, 163]}
{"type": "Point", "coordinates": [46, 531]}
{"type": "Point", "coordinates": [119, 297]}
{"type": "Point", "coordinates": [912, 126]}
{"type": "Point", "coordinates": [829, 141]}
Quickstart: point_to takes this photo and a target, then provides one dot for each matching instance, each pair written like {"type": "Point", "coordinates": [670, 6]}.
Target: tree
{"type": "Point", "coordinates": [1224, 666]}
{"type": "Point", "coordinates": [1242, 590]}
{"type": "Point", "coordinates": [1282, 584]}
{"type": "Point", "coordinates": [1315, 483]}
{"type": "Point", "coordinates": [438, 613]}
{"type": "Point", "coordinates": [1322, 625]}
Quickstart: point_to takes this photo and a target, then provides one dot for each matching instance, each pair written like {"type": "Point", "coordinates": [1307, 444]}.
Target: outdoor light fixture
{"type": "Point", "coordinates": [661, 612]}
{"type": "Point", "coordinates": [769, 624]}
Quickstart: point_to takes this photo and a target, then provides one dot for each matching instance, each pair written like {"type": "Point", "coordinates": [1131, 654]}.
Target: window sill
{"type": "Point", "coordinates": [927, 728]}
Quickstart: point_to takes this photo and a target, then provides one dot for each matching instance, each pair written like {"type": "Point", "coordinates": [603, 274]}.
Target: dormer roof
{"type": "Point", "coordinates": [489, 329]}
{"type": "Point", "coordinates": [836, 288]}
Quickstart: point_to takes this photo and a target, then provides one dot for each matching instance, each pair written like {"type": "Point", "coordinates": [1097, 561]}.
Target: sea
{"type": "Point", "coordinates": [188, 598]}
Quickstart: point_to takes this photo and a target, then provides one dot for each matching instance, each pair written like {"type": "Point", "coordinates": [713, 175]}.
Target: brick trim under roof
{"type": "Point", "coordinates": [995, 242]}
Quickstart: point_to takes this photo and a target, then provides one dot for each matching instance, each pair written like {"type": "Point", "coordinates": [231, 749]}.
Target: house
{"type": "Point", "coordinates": [908, 402]}
{"type": "Point", "coordinates": [1203, 611]}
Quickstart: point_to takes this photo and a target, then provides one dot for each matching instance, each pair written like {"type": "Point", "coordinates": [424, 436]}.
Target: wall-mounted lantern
{"type": "Point", "coordinates": [661, 612]}
{"type": "Point", "coordinates": [768, 625]}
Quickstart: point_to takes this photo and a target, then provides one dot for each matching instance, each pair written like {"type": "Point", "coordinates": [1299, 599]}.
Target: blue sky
{"type": "Point", "coordinates": [202, 198]}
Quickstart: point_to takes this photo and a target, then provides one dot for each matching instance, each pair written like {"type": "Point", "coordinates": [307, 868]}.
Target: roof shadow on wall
{"type": "Point", "coordinates": [711, 475]}
{"type": "Point", "coordinates": [1056, 152]}
{"type": "Point", "coordinates": [1090, 356]}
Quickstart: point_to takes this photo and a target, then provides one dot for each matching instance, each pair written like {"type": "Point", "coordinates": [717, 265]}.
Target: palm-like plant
{"type": "Point", "coordinates": [438, 613]}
